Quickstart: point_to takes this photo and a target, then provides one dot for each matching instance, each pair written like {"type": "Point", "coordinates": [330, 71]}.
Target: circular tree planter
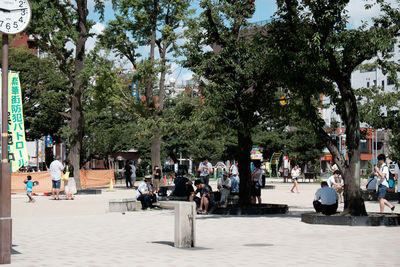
{"type": "Point", "coordinates": [373, 219]}
{"type": "Point", "coordinates": [255, 209]}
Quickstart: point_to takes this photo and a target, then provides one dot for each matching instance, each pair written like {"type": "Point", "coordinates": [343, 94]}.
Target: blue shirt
{"type": "Point", "coordinates": [29, 185]}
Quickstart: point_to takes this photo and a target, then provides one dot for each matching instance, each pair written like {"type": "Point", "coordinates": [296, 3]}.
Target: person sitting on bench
{"type": "Point", "coordinates": [325, 199]}
{"type": "Point", "coordinates": [206, 199]}
{"type": "Point", "coordinates": [183, 186]}
{"type": "Point", "coordinates": [145, 194]}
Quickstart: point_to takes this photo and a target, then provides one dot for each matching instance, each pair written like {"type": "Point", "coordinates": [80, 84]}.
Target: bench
{"type": "Point", "coordinates": [310, 175]}
{"type": "Point", "coordinates": [124, 204]}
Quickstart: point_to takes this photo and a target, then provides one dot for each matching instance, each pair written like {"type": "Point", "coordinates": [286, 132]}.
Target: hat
{"type": "Point", "coordinates": [147, 178]}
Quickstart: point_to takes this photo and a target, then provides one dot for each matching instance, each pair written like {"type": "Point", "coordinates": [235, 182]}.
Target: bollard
{"type": "Point", "coordinates": [185, 222]}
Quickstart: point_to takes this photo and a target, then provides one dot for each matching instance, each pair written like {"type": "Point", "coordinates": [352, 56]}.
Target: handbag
{"type": "Point", "coordinates": [65, 176]}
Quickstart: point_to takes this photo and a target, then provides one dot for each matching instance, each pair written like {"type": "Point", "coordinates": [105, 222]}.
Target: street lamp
{"type": "Point", "coordinates": [15, 17]}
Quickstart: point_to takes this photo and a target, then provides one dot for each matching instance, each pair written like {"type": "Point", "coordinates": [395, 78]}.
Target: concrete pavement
{"type": "Point", "coordinates": [83, 233]}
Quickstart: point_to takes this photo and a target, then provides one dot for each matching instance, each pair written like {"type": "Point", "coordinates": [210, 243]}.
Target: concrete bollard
{"type": "Point", "coordinates": [185, 222]}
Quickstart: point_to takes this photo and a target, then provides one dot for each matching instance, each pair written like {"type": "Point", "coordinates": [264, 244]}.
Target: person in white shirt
{"type": "Point", "coordinates": [295, 174]}
{"type": "Point", "coordinates": [336, 182]}
{"type": "Point", "coordinates": [205, 169]}
{"type": "Point", "coordinates": [133, 173]}
{"type": "Point", "coordinates": [325, 199]}
{"type": "Point", "coordinates": [145, 194]}
{"type": "Point", "coordinates": [56, 169]}
{"type": "Point", "coordinates": [382, 174]}
{"type": "Point", "coordinates": [224, 187]}
{"type": "Point", "coordinates": [396, 176]}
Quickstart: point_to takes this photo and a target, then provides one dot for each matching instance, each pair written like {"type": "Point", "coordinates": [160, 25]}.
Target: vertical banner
{"type": "Point", "coordinates": [17, 152]}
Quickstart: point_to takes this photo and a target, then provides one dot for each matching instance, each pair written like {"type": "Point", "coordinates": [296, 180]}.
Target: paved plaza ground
{"type": "Point", "coordinates": [83, 233]}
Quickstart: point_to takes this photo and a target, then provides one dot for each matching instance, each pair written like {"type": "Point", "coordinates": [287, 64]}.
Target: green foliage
{"type": "Point", "coordinates": [44, 92]}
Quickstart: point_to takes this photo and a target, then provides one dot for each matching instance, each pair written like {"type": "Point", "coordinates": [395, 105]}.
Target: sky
{"type": "Point", "coordinates": [264, 10]}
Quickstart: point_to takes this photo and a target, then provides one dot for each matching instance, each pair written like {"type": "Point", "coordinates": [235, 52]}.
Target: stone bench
{"type": "Point", "coordinates": [124, 204]}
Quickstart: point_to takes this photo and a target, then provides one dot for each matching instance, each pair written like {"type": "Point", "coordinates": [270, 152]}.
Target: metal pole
{"type": "Point", "coordinates": [5, 181]}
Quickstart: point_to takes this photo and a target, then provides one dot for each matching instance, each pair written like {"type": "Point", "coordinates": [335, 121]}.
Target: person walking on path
{"type": "Point", "coordinates": [29, 187]}
{"type": "Point", "coordinates": [205, 169]}
{"type": "Point", "coordinates": [128, 179]}
{"type": "Point", "coordinates": [70, 185]}
{"type": "Point", "coordinates": [382, 174]}
{"type": "Point", "coordinates": [56, 169]}
{"type": "Point", "coordinates": [256, 181]}
{"type": "Point", "coordinates": [295, 174]}
{"type": "Point", "coordinates": [133, 173]}
{"type": "Point", "coordinates": [325, 199]}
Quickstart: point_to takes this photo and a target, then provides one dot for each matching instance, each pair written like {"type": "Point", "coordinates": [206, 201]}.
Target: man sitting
{"type": "Point", "coordinates": [224, 187]}
{"type": "Point", "coordinates": [206, 199]}
{"type": "Point", "coordinates": [336, 182]}
{"type": "Point", "coordinates": [183, 186]}
{"type": "Point", "coordinates": [145, 194]}
{"type": "Point", "coordinates": [325, 199]}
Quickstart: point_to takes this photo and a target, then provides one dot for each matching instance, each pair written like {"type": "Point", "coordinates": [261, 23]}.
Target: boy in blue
{"type": "Point", "coordinates": [29, 186]}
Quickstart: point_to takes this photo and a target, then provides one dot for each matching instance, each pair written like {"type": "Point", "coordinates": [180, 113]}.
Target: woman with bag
{"type": "Point", "coordinates": [256, 182]}
{"type": "Point", "coordinates": [69, 181]}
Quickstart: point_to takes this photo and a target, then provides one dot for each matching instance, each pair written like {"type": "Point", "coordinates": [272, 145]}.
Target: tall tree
{"type": "Point", "coordinates": [237, 87]}
{"type": "Point", "coordinates": [44, 91]}
{"type": "Point", "coordinates": [314, 49]}
{"type": "Point", "coordinates": [62, 29]}
{"type": "Point", "coordinates": [153, 23]}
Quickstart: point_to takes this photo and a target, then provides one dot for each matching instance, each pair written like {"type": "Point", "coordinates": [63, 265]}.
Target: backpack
{"type": "Point", "coordinates": [391, 180]}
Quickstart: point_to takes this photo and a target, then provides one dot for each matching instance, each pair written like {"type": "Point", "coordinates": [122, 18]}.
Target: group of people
{"type": "Point", "coordinates": [331, 192]}
{"type": "Point", "coordinates": [57, 171]}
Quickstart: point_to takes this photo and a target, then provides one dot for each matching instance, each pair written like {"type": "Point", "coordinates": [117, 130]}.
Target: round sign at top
{"type": "Point", "coordinates": [15, 16]}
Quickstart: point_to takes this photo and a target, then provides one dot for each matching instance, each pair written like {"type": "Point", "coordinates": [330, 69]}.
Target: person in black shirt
{"type": "Point", "coordinates": [128, 179]}
{"type": "Point", "coordinates": [206, 199]}
{"type": "Point", "coordinates": [183, 186]}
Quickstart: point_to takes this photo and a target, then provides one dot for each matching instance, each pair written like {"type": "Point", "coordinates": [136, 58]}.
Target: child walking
{"type": "Point", "coordinates": [29, 187]}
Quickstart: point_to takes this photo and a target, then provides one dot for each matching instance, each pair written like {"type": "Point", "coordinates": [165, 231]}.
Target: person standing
{"type": "Point", "coordinates": [157, 178]}
{"type": "Point", "coordinates": [234, 171]}
{"type": "Point", "coordinates": [224, 187]}
{"type": "Point", "coordinates": [133, 173]}
{"type": "Point", "coordinates": [256, 181]}
{"type": "Point", "coordinates": [70, 185]}
{"type": "Point", "coordinates": [382, 174]}
{"type": "Point", "coordinates": [295, 174]}
{"type": "Point", "coordinates": [128, 179]}
{"type": "Point", "coordinates": [205, 169]}
{"type": "Point", "coordinates": [56, 169]}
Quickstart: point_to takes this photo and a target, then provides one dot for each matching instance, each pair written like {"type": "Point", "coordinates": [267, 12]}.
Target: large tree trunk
{"type": "Point", "coordinates": [244, 146]}
{"type": "Point", "coordinates": [76, 105]}
{"type": "Point", "coordinates": [354, 203]}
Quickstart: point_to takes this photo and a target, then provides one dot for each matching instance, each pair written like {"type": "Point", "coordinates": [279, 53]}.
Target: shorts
{"type": "Point", "coordinates": [294, 179]}
{"type": "Point", "coordinates": [382, 191]}
{"type": "Point", "coordinates": [157, 183]}
{"type": "Point", "coordinates": [56, 184]}
{"type": "Point", "coordinates": [255, 190]}
{"type": "Point", "coordinates": [29, 193]}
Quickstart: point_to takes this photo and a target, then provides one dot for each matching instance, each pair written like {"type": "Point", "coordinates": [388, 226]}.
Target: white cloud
{"type": "Point", "coordinates": [358, 14]}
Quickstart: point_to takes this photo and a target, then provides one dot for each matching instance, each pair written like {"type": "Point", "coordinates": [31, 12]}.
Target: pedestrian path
{"type": "Point", "coordinates": [82, 233]}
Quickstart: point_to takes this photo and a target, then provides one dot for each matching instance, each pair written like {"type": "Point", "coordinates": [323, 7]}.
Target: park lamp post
{"type": "Point", "coordinates": [14, 18]}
